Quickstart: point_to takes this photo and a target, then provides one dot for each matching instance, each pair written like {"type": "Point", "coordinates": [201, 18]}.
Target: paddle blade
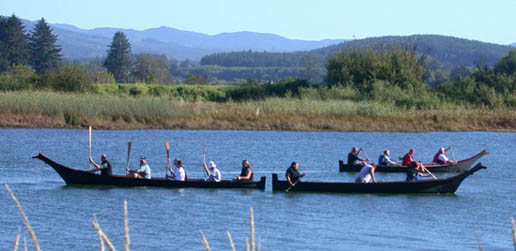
{"type": "Point", "coordinates": [129, 143]}
{"type": "Point", "coordinates": [167, 148]}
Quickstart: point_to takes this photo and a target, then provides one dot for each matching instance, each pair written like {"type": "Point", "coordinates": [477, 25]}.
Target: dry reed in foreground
{"type": "Point", "coordinates": [25, 219]}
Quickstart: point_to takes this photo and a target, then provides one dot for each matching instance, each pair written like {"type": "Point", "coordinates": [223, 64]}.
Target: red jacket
{"type": "Point", "coordinates": [436, 158]}
{"type": "Point", "coordinates": [407, 160]}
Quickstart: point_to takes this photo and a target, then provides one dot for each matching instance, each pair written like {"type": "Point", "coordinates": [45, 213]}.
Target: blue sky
{"type": "Point", "coordinates": [488, 21]}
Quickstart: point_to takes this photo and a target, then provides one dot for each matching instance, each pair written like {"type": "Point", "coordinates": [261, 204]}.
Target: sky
{"type": "Point", "coordinates": [488, 21]}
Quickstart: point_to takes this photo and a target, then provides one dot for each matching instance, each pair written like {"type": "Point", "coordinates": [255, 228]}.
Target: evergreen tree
{"type": "Point", "coordinates": [15, 41]}
{"type": "Point", "coordinates": [118, 60]}
{"type": "Point", "coordinates": [4, 62]}
{"type": "Point", "coordinates": [44, 51]}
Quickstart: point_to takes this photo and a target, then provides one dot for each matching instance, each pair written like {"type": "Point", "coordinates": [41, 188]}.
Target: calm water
{"type": "Point", "coordinates": [170, 219]}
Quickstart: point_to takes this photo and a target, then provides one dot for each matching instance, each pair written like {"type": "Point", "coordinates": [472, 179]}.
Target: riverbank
{"type": "Point", "coordinates": [45, 109]}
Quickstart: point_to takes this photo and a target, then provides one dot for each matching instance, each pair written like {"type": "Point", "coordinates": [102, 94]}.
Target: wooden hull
{"type": "Point", "coordinates": [461, 166]}
{"type": "Point", "coordinates": [78, 177]}
{"type": "Point", "coordinates": [448, 185]}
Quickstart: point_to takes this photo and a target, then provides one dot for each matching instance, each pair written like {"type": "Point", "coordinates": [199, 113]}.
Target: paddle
{"type": "Point", "coordinates": [365, 154]}
{"type": "Point", "coordinates": [453, 154]}
{"type": "Point", "coordinates": [290, 187]}
{"type": "Point", "coordinates": [204, 159]}
{"type": "Point", "coordinates": [426, 170]}
{"type": "Point", "coordinates": [128, 155]}
{"type": "Point", "coordinates": [89, 143]}
{"type": "Point", "coordinates": [167, 149]}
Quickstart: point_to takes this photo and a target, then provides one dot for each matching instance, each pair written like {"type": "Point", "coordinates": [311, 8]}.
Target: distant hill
{"type": "Point", "coordinates": [81, 43]}
{"type": "Point", "coordinates": [449, 51]}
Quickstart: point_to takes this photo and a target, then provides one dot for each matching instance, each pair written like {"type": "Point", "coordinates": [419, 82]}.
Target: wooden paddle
{"type": "Point", "coordinates": [128, 156]}
{"type": "Point", "coordinates": [295, 183]}
{"type": "Point", "coordinates": [204, 158]}
{"type": "Point", "coordinates": [167, 149]}
{"type": "Point", "coordinates": [89, 143]}
{"type": "Point", "coordinates": [365, 154]}
{"type": "Point", "coordinates": [426, 170]}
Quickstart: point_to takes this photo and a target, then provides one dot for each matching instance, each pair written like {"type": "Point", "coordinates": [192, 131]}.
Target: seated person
{"type": "Point", "coordinates": [104, 167]}
{"type": "Point", "coordinates": [292, 174]}
{"type": "Point", "coordinates": [353, 156]}
{"type": "Point", "coordinates": [144, 172]}
{"type": "Point", "coordinates": [385, 160]}
{"type": "Point", "coordinates": [214, 173]}
{"type": "Point", "coordinates": [441, 159]}
{"type": "Point", "coordinates": [408, 159]}
{"type": "Point", "coordinates": [179, 174]}
{"type": "Point", "coordinates": [366, 174]}
{"type": "Point", "coordinates": [246, 173]}
{"type": "Point", "coordinates": [414, 171]}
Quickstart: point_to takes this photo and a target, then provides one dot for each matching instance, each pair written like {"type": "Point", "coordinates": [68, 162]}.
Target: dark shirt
{"type": "Point", "coordinates": [412, 174]}
{"type": "Point", "coordinates": [293, 174]}
{"type": "Point", "coordinates": [245, 172]}
{"type": "Point", "coordinates": [106, 168]}
{"type": "Point", "coordinates": [352, 158]}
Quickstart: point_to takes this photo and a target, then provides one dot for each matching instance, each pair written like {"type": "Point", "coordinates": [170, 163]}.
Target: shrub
{"type": "Point", "coordinates": [68, 77]}
{"type": "Point", "coordinates": [19, 77]}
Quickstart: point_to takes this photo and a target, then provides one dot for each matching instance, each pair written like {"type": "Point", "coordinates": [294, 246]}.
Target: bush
{"type": "Point", "coordinates": [19, 77]}
{"type": "Point", "coordinates": [68, 77]}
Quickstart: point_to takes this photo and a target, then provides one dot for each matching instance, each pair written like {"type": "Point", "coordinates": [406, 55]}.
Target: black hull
{"type": "Point", "coordinates": [448, 185]}
{"type": "Point", "coordinates": [78, 177]}
{"type": "Point", "coordinates": [461, 166]}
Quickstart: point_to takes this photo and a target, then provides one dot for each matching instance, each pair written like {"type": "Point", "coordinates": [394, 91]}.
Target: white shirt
{"type": "Point", "coordinates": [179, 174]}
{"type": "Point", "coordinates": [443, 158]}
{"type": "Point", "coordinates": [215, 175]}
{"type": "Point", "coordinates": [365, 173]}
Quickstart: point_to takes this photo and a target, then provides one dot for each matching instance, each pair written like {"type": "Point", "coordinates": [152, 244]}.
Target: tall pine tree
{"type": "Point", "coordinates": [13, 43]}
{"type": "Point", "coordinates": [45, 54]}
{"type": "Point", "coordinates": [4, 62]}
{"type": "Point", "coordinates": [118, 60]}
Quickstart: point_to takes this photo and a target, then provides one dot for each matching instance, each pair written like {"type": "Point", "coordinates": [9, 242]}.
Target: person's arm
{"type": "Point", "coordinates": [247, 177]}
{"type": "Point", "coordinates": [290, 181]}
{"type": "Point", "coordinates": [371, 170]}
{"type": "Point", "coordinates": [95, 164]}
{"type": "Point", "coordinates": [302, 175]}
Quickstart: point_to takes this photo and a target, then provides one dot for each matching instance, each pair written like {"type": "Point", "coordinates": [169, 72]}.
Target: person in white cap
{"type": "Point", "coordinates": [214, 173]}
{"type": "Point", "coordinates": [144, 172]}
{"type": "Point", "coordinates": [441, 159]}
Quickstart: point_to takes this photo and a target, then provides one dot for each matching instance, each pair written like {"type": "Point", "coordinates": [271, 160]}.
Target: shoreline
{"type": "Point", "coordinates": [299, 125]}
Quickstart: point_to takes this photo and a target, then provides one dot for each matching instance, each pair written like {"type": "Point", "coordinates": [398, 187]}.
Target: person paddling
{"type": "Point", "coordinates": [144, 172]}
{"type": "Point", "coordinates": [408, 159]}
{"type": "Point", "coordinates": [353, 156]}
{"type": "Point", "coordinates": [415, 171]}
{"type": "Point", "coordinates": [440, 157]}
{"type": "Point", "coordinates": [292, 174]}
{"type": "Point", "coordinates": [214, 173]}
{"type": "Point", "coordinates": [385, 160]}
{"type": "Point", "coordinates": [179, 174]}
{"type": "Point", "coordinates": [104, 167]}
{"type": "Point", "coordinates": [366, 174]}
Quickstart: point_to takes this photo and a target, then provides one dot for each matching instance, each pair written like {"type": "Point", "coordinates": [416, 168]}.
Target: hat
{"type": "Point", "coordinates": [412, 150]}
{"type": "Point", "coordinates": [212, 164]}
{"type": "Point", "coordinates": [441, 149]}
{"type": "Point", "coordinates": [142, 157]}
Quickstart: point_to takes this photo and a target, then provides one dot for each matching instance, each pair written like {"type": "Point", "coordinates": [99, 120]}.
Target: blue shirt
{"type": "Point", "coordinates": [145, 171]}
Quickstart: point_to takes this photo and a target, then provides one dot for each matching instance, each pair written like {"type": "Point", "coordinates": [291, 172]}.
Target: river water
{"type": "Point", "coordinates": [170, 219]}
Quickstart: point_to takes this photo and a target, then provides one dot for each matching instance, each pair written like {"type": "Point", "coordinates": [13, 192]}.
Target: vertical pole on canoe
{"type": "Point", "coordinates": [89, 143]}
{"type": "Point", "coordinates": [167, 149]}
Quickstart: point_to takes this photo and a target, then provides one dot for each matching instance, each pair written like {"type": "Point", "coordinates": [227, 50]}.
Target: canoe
{"type": "Point", "coordinates": [77, 177]}
{"type": "Point", "coordinates": [461, 166]}
{"type": "Point", "coordinates": [446, 185]}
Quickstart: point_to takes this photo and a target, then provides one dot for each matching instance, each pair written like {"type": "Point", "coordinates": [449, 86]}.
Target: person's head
{"type": "Point", "coordinates": [143, 160]}
{"type": "Point", "coordinates": [386, 152]}
{"type": "Point", "coordinates": [441, 150]}
{"type": "Point", "coordinates": [294, 165]}
{"type": "Point", "coordinates": [103, 157]}
{"type": "Point", "coordinates": [373, 165]}
{"type": "Point", "coordinates": [212, 165]}
{"type": "Point", "coordinates": [179, 163]}
{"type": "Point", "coordinates": [354, 150]}
{"type": "Point", "coordinates": [412, 150]}
{"type": "Point", "coordinates": [245, 163]}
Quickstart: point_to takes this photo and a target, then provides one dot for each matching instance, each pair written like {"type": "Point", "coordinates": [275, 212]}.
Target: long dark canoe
{"type": "Point", "coordinates": [461, 166]}
{"type": "Point", "coordinates": [447, 185]}
{"type": "Point", "coordinates": [78, 177]}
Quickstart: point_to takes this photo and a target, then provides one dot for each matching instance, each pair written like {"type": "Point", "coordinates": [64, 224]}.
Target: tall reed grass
{"type": "Point", "coordinates": [65, 110]}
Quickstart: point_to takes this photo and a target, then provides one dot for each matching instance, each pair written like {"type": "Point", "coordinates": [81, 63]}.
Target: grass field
{"type": "Point", "coordinates": [47, 109]}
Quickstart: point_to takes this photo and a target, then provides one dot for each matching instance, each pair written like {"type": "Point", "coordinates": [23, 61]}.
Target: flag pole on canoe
{"type": "Point", "coordinates": [89, 144]}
